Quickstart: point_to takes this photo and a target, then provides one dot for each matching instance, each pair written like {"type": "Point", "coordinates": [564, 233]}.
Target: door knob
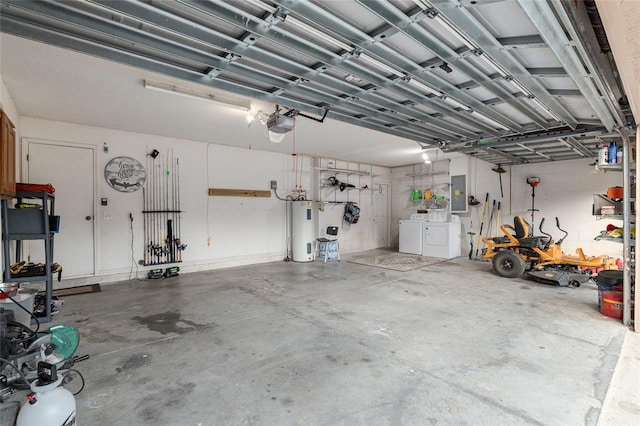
{"type": "Point", "coordinates": [88, 217]}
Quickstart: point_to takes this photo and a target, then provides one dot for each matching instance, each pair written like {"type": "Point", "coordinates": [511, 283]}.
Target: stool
{"type": "Point", "coordinates": [328, 248]}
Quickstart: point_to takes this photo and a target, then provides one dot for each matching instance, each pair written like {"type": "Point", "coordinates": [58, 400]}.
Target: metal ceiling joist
{"type": "Point", "coordinates": [578, 22]}
{"type": "Point", "coordinates": [520, 42]}
{"type": "Point", "coordinates": [578, 146]}
{"type": "Point", "coordinates": [17, 27]}
{"type": "Point", "coordinates": [488, 43]}
{"type": "Point", "coordinates": [142, 38]}
{"type": "Point", "coordinates": [412, 29]}
{"type": "Point", "coordinates": [278, 35]}
{"type": "Point", "coordinates": [310, 55]}
{"type": "Point", "coordinates": [161, 19]}
{"type": "Point", "coordinates": [512, 158]}
{"type": "Point", "coordinates": [553, 145]}
{"type": "Point", "coordinates": [543, 17]}
{"type": "Point", "coordinates": [368, 43]}
{"type": "Point", "coordinates": [547, 72]}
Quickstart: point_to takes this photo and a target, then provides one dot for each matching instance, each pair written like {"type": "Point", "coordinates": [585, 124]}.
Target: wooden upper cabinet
{"type": "Point", "coordinates": [7, 157]}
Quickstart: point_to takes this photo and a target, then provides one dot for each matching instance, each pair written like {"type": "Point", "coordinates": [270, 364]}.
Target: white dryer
{"type": "Point", "coordinates": [410, 235]}
{"type": "Point", "coordinates": [441, 239]}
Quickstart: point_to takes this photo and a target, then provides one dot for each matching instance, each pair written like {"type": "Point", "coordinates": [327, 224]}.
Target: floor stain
{"type": "Point", "coordinates": [330, 358]}
{"type": "Point", "coordinates": [135, 361]}
{"type": "Point", "coordinates": [153, 404]}
{"type": "Point", "coordinates": [169, 322]}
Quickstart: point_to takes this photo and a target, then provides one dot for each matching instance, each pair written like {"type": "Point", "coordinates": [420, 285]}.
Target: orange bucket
{"type": "Point", "coordinates": [615, 192]}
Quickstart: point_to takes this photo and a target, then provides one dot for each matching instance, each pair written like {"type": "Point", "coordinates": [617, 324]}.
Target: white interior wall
{"type": "Point", "coordinates": [219, 231]}
{"type": "Point", "coordinates": [352, 237]}
{"type": "Point", "coordinates": [566, 191]}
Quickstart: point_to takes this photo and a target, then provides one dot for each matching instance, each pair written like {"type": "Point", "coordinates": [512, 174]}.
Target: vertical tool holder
{"type": "Point", "coordinates": [19, 224]}
{"type": "Point", "coordinates": [161, 210]}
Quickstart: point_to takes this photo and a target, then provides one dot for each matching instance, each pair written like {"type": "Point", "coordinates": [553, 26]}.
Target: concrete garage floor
{"type": "Point", "coordinates": [343, 344]}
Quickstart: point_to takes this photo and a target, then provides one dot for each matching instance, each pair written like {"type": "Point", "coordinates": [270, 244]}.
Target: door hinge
{"type": "Point", "coordinates": [27, 157]}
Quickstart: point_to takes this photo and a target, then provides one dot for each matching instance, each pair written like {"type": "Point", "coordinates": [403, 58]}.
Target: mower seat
{"type": "Point", "coordinates": [524, 234]}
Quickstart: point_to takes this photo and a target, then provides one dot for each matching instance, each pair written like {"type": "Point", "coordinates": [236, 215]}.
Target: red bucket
{"type": "Point", "coordinates": [613, 304]}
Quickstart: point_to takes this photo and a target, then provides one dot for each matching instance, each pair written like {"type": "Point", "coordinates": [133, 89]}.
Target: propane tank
{"type": "Point", "coordinates": [49, 404]}
{"type": "Point", "coordinates": [603, 154]}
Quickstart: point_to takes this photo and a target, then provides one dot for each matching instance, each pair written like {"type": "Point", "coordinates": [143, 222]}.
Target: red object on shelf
{"type": "Point", "coordinates": [35, 187]}
{"type": "Point", "coordinates": [614, 192]}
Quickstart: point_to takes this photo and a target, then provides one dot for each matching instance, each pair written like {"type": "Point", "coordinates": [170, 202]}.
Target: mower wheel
{"type": "Point", "coordinates": [509, 264]}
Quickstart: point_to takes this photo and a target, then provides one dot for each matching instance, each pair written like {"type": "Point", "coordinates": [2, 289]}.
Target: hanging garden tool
{"type": "Point", "coordinates": [533, 181]}
{"type": "Point", "coordinates": [499, 170]}
{"type": "Point", "coordinates": [484, 212]}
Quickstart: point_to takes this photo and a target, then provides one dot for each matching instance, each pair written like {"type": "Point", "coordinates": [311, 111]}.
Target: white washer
{"type": "Point", "coordinates": [411, 233]}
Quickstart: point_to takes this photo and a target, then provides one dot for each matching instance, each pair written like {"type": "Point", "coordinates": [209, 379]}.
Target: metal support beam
{"type": "Point", "coordinates": [543, 18]}
{"type": "Point", "coordinates": [462, 18]}
{"type": "Point", "coordinates": [626, 234]}
{"type": "Point", "coordinates": [578, 146]}
{"type": "Point", "coordinates": [413, 70]}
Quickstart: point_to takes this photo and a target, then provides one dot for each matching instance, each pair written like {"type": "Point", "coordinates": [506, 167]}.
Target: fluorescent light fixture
{"type": "Point", "coordinates": [195, 94]}
{"type": "Point", "coordinates": [488, 120]}
{"type": "Point", "coordinates": [424, 87]}
{"type": "Point", "coordinates": [455, 32]}
{"type": "Point", "coordinates": [422, 4]}
{"type": "Point", "coordinates": [379, 64]}
{"type": "Point", "coordinates": [520, 87]}
{"type": "Point", "coordinates": [317, 34]}
{"type": "Point", "coordinates": [493, 64]}
{"type": "Point", "coordinates": [456, 103]}
{"type": "Point", "coordinates": [301, 25]}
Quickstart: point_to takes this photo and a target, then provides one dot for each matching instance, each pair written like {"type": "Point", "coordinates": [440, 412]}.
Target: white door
{"type": "Point", "coordinates": [380, 215]}
{"type": "Point", "coordinates": [70, 169]}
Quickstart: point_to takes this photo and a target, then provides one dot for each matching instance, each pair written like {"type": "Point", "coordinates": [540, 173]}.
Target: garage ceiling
{"type": "Point", "coordinates": [509, 82]}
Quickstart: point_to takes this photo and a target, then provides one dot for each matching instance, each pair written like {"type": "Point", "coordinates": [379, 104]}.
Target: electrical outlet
{"type": "Point", "coordinates": [274, 184]}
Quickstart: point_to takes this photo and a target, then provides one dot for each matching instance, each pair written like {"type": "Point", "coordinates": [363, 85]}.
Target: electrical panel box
{"type": "Point", "coordinates": [459, 194]}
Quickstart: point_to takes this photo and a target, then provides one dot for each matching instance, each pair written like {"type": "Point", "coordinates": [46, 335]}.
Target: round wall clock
{"type": "Point", "coordinates": [125, 174]}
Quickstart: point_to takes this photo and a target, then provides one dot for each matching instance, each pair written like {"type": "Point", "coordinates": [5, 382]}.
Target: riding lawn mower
{"type": "Point", "coordinates": [519, 251]}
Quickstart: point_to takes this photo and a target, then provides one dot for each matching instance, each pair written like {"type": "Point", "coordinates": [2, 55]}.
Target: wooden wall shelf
{"type": "Point", "coordinates": [225, 192]}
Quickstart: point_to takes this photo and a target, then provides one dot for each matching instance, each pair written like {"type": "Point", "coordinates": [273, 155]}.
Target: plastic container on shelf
{"type": "Point", "coordinates": [25, 300]}
{"type": "Point", "coordinates": [603, 155]}
{"type": "Point", "coordinates": [613, 153]}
